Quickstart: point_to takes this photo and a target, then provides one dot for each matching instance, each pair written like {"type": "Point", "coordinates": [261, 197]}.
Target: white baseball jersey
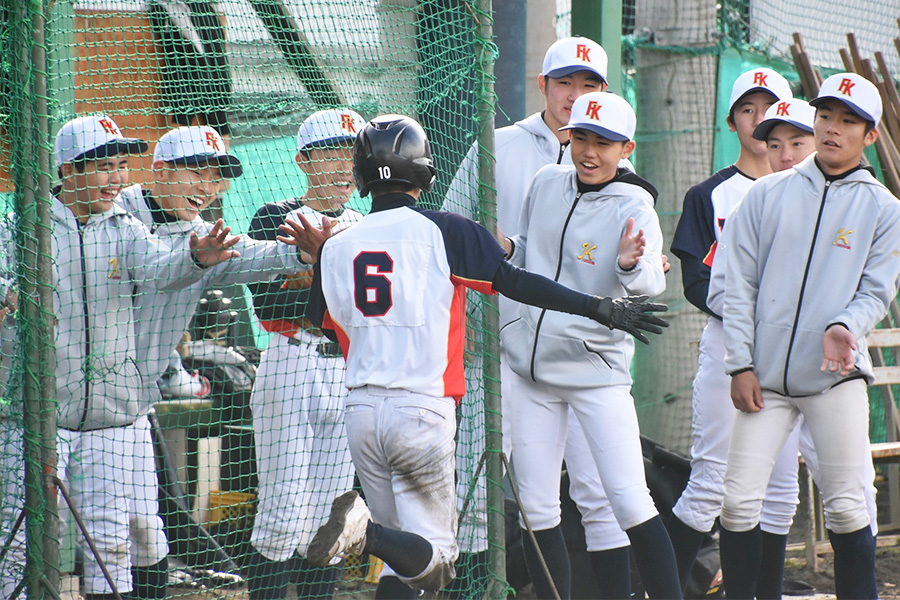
{"type": "Point", "coordinates": [394, 288]}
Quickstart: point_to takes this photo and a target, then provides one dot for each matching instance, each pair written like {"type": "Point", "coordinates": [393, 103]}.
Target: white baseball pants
{"type": "Point", "coordinates": [838, 420]}
{"type": "Point", "coordinates": [712, 419]}
{"type": "Point", "coordinates": [609, 420]}
{"type": "Point", "coordinates": [403, 450]}
{"type": "Point", "coordinates": [302, 457]}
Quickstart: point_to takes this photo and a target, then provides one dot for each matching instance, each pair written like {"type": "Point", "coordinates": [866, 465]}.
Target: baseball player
{"type": "Point", "coordinates": [391, 289]}
{"type": "Point", "coordinates": [706, 207]}
{"type": "Point", "coordinates": [188, 163]}
{"type": "Point", "coordinates": [788, 133]}
{"type": "Point", "coordinates": [101, 253]}
{"type": "Point", "coordinates": [572, 66]}
{"type": "Point", "coordinates": [795, 334]}
{"type": "Point", "coordinates": [564, 363]}
{"type": "Point", "coordinates": [298, 396]}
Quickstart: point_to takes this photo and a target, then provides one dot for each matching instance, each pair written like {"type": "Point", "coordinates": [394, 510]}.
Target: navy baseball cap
{"type": "Point", "coordinates": [604, 113]}
{"type": "Point", "coordinates": [794, 112]}
{"type": "Point", "coordinates": [572, 54]}
{"type": "Point", "coordinates": [197, 146]}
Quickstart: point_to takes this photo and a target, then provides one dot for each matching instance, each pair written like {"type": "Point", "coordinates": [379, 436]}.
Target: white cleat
{"type": "Point", "coordinates": [344, 532]}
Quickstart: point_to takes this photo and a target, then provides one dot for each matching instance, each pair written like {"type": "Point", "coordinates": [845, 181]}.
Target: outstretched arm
{"type": "Point", "coordinates": [631, 314]}
{"type": "Point", "coordinates": [215, 247]}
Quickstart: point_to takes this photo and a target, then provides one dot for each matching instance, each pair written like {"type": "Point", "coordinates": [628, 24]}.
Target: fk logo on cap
{"type": "Point", "coordinates": [582, 52]}
{"type": "Point", "coordinates": [845, 87]}
{"type": "Point", "coordinates": [212, 141]}
{"type": "Point", "coordinates": [593, 110]}
{"type": "Point", "coordinates": [759, 78]}
{"type": "Point", "coordinates": [109, 127]}
{"type": "Point", "coordinates": [782, 110]}
{"type": "Point", "coordinates": [347, 123]}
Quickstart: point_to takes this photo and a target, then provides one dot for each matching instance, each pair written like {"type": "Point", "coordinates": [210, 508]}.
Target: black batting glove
{"type": "Point", "coordinates": [631, 314]}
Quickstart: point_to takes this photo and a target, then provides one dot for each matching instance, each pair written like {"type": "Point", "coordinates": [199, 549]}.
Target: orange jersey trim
{"type": "Point", "coordinates": [285, 328]}
{"type": "Point", "coordinates": [711, 255]}
{"type": "Point", "coordinates": [343, 339]}
{"type": "Point", "coordinates": [454, 374]}
{"type": "Point", "coordinates": [485, 287]}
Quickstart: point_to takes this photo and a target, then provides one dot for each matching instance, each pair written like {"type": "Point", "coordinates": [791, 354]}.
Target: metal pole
{"type": "Point", "coordinates": [510, 21]}
{"type": "Point", "coordinates": [21, 142]}
{"type": "Point", "coordinates": [486, 54]}
{"type": "Point", "coordinates": [44, 296]}
{"type": "Point", "coordinates": [601, 20]}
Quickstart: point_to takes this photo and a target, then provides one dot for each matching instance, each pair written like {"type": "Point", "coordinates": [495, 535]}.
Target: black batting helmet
{"type": "Point", "coordinates": [392, 148]}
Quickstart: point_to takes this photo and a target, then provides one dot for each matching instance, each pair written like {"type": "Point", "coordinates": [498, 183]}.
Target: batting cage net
{"type": "Point", "coordinates": [191, 411]}
{"type": "Point", "coordinates": [197, 413]}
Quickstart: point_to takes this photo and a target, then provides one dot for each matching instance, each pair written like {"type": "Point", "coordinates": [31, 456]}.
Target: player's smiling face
{"type": "Point", "coordinates": [93, 190]}
{"type": "Point", "coordinates": [185, 190]}
{"type": "Point", "coordinates": [841, 136]}
{"type": "Point", "coordinates": [329, 173]}
{"type": "Point", "coordinates": [750, 111]}
{"type": "Point", "coordinates": [597, 158]}
{"type": "Point", "coordinates": [561, 93]}
{"type": "Point", "coordinates": [787, 145]}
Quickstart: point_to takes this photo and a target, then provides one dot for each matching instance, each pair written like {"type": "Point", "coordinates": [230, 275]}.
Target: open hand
{"type": "Point", "coordinates": [214, 247]}
{"type": "Point", "coordinates": [305, 236]}
{"type": "Point", "coordinates": [631, 246]}
{"type": "Point", "coordinates": [838, 346]}
{"type": "Point", "coordinates": [631, 314]}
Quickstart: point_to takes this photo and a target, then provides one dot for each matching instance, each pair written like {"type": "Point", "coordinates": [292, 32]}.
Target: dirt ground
{"type": "Point", "coordinates": [887, 567]}
{"type": "Point", "coordinates": [796, 570]}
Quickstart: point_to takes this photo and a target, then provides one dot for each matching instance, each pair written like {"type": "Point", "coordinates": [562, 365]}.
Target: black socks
{"type": "Point", "coordinates": [266, 579]}
{"type": "Point", "coordinates": [150, 583]}
{"type": "Point", "coordinates": [553, 548]}
{"type": "Point", "coordinates": [655, 559]}
{"type": "Point", "coordinates": [741, 553]}
{"type": "Point", "coordinates": [407, 553]}
{"type": "Point", "coordinates": [854, 564]}
{"type": "Point", "coordinates": [612, 568]}
{"type": "Point", "coordinates": [686, 542]}
{"type": "Point", "coordinates": [771, 569]}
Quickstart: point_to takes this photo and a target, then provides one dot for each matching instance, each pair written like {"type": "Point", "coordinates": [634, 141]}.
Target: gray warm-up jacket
{"type": "Point", "coordinates": [96, 266]}
{"type": "Point", "coordinates": [803, 253]}
{"type": "Point", "coordinates": [162, 317]}
{"type": "Point", "coordinates": [573, 238]}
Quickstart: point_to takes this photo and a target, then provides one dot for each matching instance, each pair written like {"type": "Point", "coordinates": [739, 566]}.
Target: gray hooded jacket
{"type": "Point", "coordinates": [804, 253]}
{"type": "Point", "coordinates": [573, 238]}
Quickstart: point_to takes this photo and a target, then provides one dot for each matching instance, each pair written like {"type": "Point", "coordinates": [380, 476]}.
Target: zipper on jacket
{"type": "Point", "coordinates": [812, 247]}
{"type": "Point", "coordinates": [562, 237]}
{"type": "Point", "coordinates": [562, 151]}
{"type": "Point", "coordinates": [87, 332]}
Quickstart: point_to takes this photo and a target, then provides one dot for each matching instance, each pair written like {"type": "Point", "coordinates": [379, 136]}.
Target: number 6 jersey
{"type": "Point", "coordinates": [390, 289]}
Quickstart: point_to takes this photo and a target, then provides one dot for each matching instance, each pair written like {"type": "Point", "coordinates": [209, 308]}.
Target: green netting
{"type": "Point", "coordinates": [244, 448]}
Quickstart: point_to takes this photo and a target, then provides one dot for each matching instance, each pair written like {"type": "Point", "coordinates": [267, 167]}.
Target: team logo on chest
{"type": "Point", "coordinates": [841, 239]}
{"type": "Point", "coordinates": [586, 256]}
{"type": "Point", "coordinates": [113, 269]}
